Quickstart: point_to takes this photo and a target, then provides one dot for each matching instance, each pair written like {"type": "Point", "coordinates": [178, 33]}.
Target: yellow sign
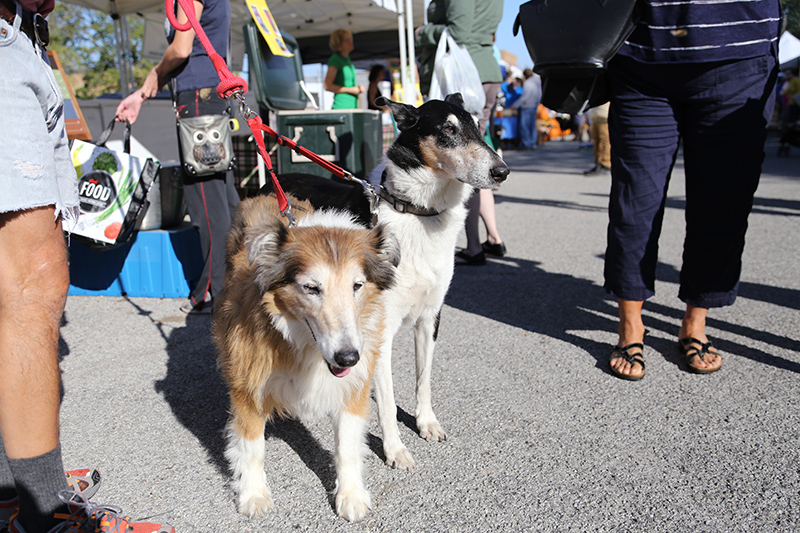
{"type": "Point", "coordinates": [268, 28]}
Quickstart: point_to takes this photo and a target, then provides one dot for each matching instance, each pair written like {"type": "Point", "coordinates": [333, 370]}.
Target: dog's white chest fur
{"type": "Point", "coordinates": [421, 283]}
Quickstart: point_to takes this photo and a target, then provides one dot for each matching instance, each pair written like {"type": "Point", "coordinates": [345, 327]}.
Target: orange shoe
{"type": "Point", "coordinates": [83, 481]}
{"type": "Point", "coordinates": [88, 517]}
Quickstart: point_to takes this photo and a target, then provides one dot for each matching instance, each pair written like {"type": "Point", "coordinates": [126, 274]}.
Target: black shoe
{"type": "Point", "coordinates": [597, 170]}
{"type": "Point", "coordinates": [462, 258]}
{"type": "Point", "coordinates": [494, 249]}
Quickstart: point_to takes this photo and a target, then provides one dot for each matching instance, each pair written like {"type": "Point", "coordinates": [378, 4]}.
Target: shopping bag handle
{"type": "Point", "coordinates": [103, 138]}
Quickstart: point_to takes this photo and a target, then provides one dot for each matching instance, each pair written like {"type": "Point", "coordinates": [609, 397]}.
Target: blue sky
{"type": "Point", "coordinates": [504, 38]}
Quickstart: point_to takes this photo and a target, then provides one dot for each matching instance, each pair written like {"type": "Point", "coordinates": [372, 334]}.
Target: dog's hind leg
{"type": "Point", "coordinates": [245, 453]}
{"type": "Point", "coordinates": [352, 498]}
{"type": "Point", "coordinates": [425, 332]}
{"type": "Point", "coordinates": [397, 455]}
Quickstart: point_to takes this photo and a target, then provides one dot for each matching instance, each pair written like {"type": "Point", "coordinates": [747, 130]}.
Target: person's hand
{"type": "Point", "coordinates": [128, 109]}
{"type": "Point", "coordinates": [358, 89]}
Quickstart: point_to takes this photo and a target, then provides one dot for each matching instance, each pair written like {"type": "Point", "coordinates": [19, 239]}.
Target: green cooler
{"type": "Point", "coordinates": [349, 138]}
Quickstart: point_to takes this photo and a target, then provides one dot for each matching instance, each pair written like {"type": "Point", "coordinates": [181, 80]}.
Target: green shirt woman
{"type": "Point", "coordinates": [341, 76]}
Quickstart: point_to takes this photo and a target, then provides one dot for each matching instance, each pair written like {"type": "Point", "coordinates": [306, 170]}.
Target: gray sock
{"type": "Point", "coordinates": [7, 489]}
{"type": "Point", "coordinates": [38, 481]}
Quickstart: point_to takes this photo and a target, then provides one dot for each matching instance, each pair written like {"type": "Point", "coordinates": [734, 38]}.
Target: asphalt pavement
{"type": "Point", "coordinates": [541, 437]}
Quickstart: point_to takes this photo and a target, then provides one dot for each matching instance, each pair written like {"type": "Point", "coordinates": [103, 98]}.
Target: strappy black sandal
{"type": "Point", "coordinates": [689, 351]}
{"type": "Point", "coordinates": [632, 358]}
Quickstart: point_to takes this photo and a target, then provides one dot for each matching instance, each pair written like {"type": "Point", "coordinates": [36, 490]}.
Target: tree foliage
{"type": "Point", "coordinates": [791, 9]}
{"type": "Point", "coordinates": [85, 41]}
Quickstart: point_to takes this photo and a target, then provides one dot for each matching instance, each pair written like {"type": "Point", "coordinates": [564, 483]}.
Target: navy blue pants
{"type": "Point", "coordinates": [719, 112]}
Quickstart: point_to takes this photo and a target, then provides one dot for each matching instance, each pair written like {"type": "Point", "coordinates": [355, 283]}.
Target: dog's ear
{"type": "Point", "coordinates": [455, 99]}
{"type": "Point", "coordinates": [380, 269]}
{"type": "Point", "coordinates": [263, 243]}
{"type": "Point", "coordinates": [405, 116]}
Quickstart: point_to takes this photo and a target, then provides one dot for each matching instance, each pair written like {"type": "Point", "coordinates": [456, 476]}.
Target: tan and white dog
{"type": "Point", "coordinates": [298, 329]}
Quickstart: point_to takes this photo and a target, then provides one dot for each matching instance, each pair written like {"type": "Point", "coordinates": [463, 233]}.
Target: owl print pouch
{"type": "Point", "coordinates": [206, 144]}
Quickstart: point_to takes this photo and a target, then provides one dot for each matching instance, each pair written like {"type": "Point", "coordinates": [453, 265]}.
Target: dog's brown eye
{"type": "Point", "coordinates": [449, 130]}
{"type": "Point", "coordinates": [357, 286]}
{"type": "Point", "coordinates": [311, 289]}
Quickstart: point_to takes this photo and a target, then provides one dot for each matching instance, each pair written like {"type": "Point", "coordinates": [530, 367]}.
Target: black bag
{"type": "Point", "coordinates": [571, 42]}
{"type": "Point", "coordinates": [113, 189]}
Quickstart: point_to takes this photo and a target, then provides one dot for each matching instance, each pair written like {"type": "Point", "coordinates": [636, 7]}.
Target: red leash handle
{"type": "Point", "coordinates": [228, 82]}
{"type": "Point", "coordinates": [229, 86]}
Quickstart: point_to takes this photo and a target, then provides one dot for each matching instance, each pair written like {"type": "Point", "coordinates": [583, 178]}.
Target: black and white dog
{"type": "Point", "coordinates": [431, 169]}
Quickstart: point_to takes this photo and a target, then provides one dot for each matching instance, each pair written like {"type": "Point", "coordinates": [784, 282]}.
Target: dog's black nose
{"type": "Point", "coordinates": [500, 172]}
{"type": "Point", "coordinates": [346, 358]}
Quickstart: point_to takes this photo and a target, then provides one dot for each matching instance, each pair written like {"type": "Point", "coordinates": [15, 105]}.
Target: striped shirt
{"type": "Point", "coordinates": [694, 31]}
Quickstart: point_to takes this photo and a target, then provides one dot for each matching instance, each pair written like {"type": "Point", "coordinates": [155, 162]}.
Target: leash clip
{"type": "Point", "coordinates": [244, 109]}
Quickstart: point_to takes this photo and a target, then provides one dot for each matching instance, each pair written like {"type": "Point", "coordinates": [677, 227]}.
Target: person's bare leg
{"type": "Point", "coordinates": [631, 330]}
{"type": "Point", "coordinates": [694, 325]}
{"type": "Point", "coordinates": [34, 280]}
{"type": "Point", "coordinates": [488, 215]}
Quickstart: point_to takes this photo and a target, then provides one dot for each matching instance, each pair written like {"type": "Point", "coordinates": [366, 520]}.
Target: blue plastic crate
{"type": "Point", "coordinates": [155, 264]}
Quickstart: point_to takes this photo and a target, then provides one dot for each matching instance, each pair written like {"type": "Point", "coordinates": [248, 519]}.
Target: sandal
{"type": "Point", "coordinates": [689, 352]}
{"type": "Point", "coordinates": [637, 358]}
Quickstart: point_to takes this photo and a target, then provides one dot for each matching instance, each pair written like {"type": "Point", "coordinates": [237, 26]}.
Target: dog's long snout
{"type": "Point", "coordinates": [346, 358]}
{"type": "Point", "coordinates": [500, 172]}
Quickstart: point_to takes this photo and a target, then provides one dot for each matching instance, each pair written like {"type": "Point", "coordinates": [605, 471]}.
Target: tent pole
{"type": "Point", "coordinates": [401, 31]}
{"type": "Point", "coordinates": [412, 55]}
{"type": "Point", "coordinates": [127, 61]}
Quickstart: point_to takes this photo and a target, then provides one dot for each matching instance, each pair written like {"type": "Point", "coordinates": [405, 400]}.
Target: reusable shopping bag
{"type": "Point", "coordinates": [113, 189]}
{"type": "Point", "coordinates": [455, 72]}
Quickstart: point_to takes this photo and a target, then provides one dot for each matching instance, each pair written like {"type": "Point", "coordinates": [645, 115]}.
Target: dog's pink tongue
{"type": "Point", "coordinates": [339, 372]}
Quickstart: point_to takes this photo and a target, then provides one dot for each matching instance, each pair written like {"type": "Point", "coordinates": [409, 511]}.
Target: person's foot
{"type": "Point", "coordinates": [462, 258]}
{"type": "Point", "coordinates": [202, 308]}
{"type": "Point", "coordinates": [597, 170]}
{"type": "Point", "coordinates": [88, 517]}
{"type": "Point", "coordinates": [627, 359]}
{"type": "Point", "coordinates": [693, 343]}
{"type": "Point", "coordinates": [85, 482]}
{"type": "Point", "coordinates": [498, 249]}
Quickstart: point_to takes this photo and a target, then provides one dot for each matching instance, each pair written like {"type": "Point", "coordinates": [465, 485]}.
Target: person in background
{"type": "Point", "coordinates": [601, 147]}
{"type": "Point", "coordinates": [377, 74]}
{"type": "Point", "coordinates": [39, 202]}
{"type": "Point", "coordinates": [791, 110]}
{"type": "Point", "coordinates": [210, 199]}
{"type": "Point", "coordinates": [471, 23]}
{"type": "Point", "coordinates": [512, 90]}
{"type": "Point", "coordinates": [341, 76]}
{"type": "Point", "coordinates": [527, 106]}
{"type": "Point", "coordinates": [709, 89]}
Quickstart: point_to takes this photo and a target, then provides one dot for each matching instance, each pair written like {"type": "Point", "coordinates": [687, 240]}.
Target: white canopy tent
{"type": "Point", "coordinates": [789, 51]}
{"type": "Point", "coordinates": [303, 19]}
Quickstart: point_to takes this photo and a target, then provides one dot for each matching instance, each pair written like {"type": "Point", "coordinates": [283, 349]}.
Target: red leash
{"type": "Point", "coordinates": [230, 86]}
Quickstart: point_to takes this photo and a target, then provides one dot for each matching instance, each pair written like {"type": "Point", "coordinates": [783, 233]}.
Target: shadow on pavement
{"type": "Point", "coordinates": [519, 293]}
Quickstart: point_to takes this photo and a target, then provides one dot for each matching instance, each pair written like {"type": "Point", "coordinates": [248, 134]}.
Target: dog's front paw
{"type": "Point", "coordinates": [353, 504]}
{"type": "Point", "coordinates": [400, 458]}
{"type": "Point", "coordinates": [430, 430]}
{"type": "Point", "coordinates": [255, 502]}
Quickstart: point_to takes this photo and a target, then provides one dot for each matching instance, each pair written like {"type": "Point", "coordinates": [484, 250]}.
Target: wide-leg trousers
{"type": "Point", "coordinates": [719, 112]}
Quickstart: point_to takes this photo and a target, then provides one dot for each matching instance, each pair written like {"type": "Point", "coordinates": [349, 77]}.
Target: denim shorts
{"type": "Point", "coordinates": [35, 165]}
